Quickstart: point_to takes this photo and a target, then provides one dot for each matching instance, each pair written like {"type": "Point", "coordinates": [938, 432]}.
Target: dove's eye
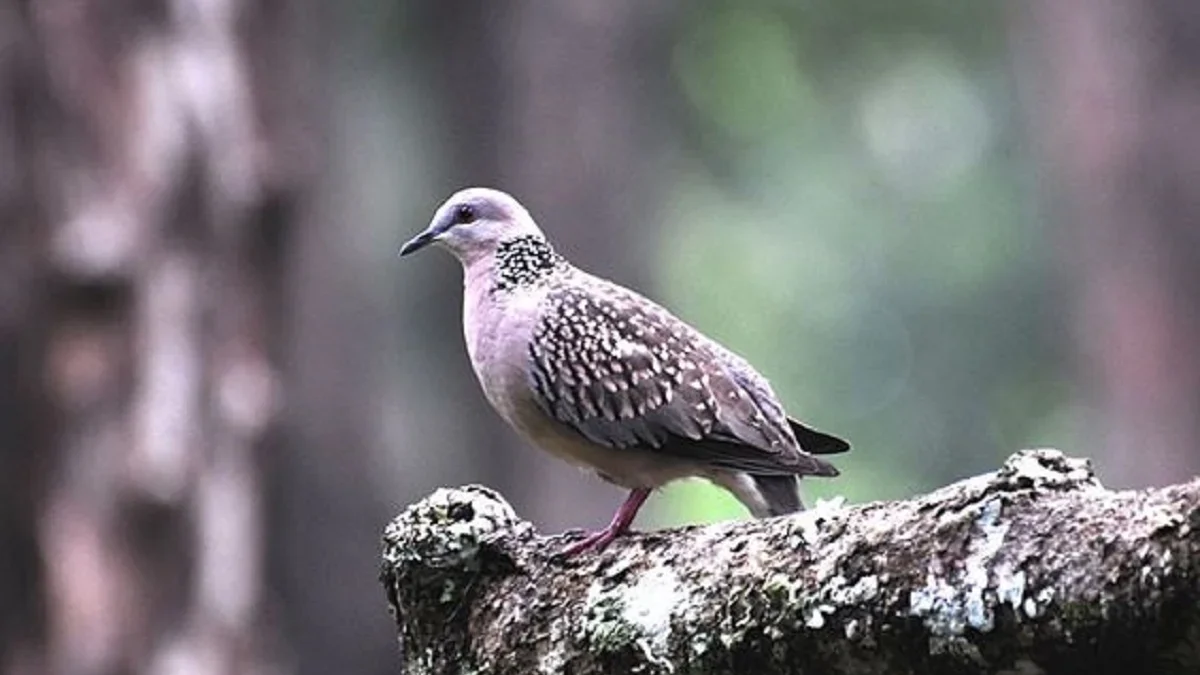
{"type": "Point", "coordinates": [465, 213]}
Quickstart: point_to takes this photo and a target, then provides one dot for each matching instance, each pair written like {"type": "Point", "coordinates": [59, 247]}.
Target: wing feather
{"type": "Point", "coordinates": [625, 373]}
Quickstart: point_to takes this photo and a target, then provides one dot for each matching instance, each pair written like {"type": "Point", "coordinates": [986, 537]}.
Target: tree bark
{"type": "Point", "coordinates": [151, 158]}
{"type": "Point", "coordinates": [1035, 568]}
{"type": "Point", "coordinates": [1111, 86]}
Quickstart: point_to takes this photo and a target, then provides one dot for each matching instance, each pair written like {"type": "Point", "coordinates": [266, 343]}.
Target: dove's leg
{"type": "Point", "coordinates": [620, 523]}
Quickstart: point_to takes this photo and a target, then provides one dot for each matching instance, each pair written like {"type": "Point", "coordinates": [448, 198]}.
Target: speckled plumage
{"type": "Point", "coordinates": [524, 260]}
{"type": "Point", "coordinates": [624, 372]}
{"type": "Point", "coordinates": [606, 378]}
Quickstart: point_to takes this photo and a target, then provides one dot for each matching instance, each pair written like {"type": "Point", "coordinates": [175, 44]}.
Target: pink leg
{"type": "Point", "coordinates": [620, 523]}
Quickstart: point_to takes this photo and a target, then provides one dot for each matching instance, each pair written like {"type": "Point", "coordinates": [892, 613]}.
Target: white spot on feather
{"type": "Point", "coordinates": [626, 349]}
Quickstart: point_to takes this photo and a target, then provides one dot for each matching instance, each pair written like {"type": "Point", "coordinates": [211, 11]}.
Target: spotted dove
{"type": "Point", "coordinates": [602, 377]}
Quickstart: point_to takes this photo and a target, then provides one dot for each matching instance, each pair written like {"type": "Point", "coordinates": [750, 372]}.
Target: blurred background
{"type": "Point", "coordinates": [944, 230]}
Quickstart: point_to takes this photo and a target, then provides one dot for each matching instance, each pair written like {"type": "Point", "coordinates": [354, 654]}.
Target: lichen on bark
{"type": "Point", "coordinates": [1032, 568]}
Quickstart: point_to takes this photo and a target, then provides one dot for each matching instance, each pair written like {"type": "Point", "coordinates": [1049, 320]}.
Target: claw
{"type": "Point", "coordinates": [596, 540]}
{"type": "Point", "coordinates": [620, 524]}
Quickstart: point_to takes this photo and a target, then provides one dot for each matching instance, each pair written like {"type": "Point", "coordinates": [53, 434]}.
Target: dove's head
{"type": "Point", "coordinates": [473, 223]}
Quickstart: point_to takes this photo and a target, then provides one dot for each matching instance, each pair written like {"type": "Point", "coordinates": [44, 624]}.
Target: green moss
{"type": "Point", "coordinates": [604, 628]}
{"type": "Point", "coordinates": [431, 564]}
{"type": "Point", "coordinates": [635, 617]}
{"type": "Point", "coordinates": [949, 606]}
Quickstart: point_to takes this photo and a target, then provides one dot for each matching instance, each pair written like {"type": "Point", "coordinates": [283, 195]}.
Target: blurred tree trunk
{"type": "Point", "coordinates": [151, 156]}
{"type": "Point", "coordinates": [324, 488]}
{"type": "Point", "coordinates": [556, 104]}
{"type": "Point", "coordinates": [1113, 86]}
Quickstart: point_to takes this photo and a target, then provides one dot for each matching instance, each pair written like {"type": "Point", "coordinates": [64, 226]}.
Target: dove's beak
{"type": "Point", "coordinates": [417, 243]}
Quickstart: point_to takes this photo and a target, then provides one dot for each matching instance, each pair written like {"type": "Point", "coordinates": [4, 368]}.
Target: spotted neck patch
{"type": "Point", "coordinates": [524, 261]}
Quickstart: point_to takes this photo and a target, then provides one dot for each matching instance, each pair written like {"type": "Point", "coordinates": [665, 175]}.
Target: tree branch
{"type": "Point", "coordinates": [1033, 568]}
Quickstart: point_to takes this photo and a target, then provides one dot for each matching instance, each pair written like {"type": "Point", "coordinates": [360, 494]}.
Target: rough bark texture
{"type": "Point", "coordinates": [151, 158]}
{"type": "Point", "coordinates": [1034, 568]}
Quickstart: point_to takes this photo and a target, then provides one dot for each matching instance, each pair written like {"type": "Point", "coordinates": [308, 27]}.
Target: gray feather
{"type": "Point", "coordinates": [780, 493]}
{"type": "Point", "coordinates": [624, 372]}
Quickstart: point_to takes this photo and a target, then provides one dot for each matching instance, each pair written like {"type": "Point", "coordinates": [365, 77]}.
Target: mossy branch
{"type": "Point", "coordinates": [1033, 568]}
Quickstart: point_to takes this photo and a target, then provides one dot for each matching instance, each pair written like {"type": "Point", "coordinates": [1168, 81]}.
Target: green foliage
{"type": "Point", "coordinates": [853, 216]}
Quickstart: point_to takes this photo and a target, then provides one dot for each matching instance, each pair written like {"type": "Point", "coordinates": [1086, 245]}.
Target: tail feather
{"type": "Point", "coordinates": [815, 466]}
{"type": "Point", "coordinates": [817, 442]}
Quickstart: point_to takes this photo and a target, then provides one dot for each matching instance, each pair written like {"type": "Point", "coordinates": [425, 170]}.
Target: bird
{"type": "Point", "coordinates": [605, 378]}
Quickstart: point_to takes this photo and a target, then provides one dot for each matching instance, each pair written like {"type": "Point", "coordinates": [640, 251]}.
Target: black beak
{"type": "Point", "coordinates": [417, 243]}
